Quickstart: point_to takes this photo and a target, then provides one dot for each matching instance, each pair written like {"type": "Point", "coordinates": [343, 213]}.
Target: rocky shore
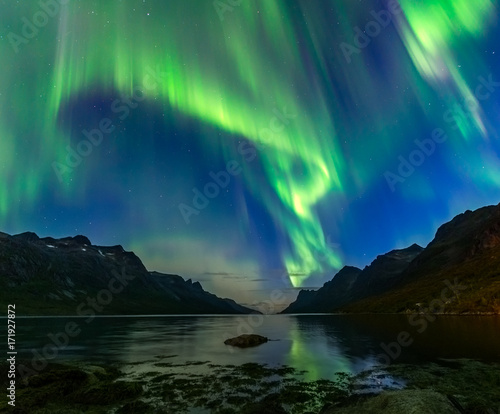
{"type": "Point", "coordinates": [446, 386]}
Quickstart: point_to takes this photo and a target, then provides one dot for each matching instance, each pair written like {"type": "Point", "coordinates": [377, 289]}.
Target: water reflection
{"type": "Point", "coordinates": [322, 345]}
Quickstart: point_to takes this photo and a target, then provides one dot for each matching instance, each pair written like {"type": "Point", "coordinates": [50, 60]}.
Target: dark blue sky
{"type": "Point", "coordinates": [336, 131]}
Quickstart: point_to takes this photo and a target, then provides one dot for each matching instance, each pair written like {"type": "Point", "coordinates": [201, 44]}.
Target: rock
{"type": "Point", "coordinates": [396, 402]}
{"type": "Point", "coordinates": [245, 341]}
{"type": "Point", "coordinates": [268, 405]}
{"type": "Point", "coordinates": [134, 407]}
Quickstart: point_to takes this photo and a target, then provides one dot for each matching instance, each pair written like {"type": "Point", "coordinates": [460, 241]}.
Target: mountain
{"type": "Point", "coordinates": [70, 276]}
{"type": "Point", "coordinates": [334, 293]}
{"type": "Point", "coordinates": [464, 254]}
{"type": "Point", "coordinates": [351, 284]}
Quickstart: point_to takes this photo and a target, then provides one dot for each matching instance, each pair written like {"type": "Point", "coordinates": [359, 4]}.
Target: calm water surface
{"type": "Point", "coordinates": [320, 344]}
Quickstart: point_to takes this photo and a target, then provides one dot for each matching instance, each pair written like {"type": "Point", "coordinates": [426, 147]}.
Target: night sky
{"type": "Point", "coordinates": [236, 141]}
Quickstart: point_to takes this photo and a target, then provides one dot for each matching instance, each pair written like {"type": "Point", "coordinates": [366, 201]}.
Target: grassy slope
{"type": "Point", "coordinates": [481, 275]}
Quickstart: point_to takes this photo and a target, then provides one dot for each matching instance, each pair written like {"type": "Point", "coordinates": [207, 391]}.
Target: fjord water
{"type": "Point", "coordinates": [320, 344]}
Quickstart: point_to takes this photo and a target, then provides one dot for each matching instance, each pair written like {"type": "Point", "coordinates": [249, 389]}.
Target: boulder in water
{"type": "Point", "coordinates": [245, 341]}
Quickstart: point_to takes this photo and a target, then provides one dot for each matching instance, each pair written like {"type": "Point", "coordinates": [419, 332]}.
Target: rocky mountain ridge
{"type": "Point", "coordinates": [465, 250]}
{"type": "Point", "coordinates": [47, 276]}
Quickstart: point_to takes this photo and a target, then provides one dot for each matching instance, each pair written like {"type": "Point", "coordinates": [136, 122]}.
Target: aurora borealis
{"type": "Point", "coordinates": [115, 116]}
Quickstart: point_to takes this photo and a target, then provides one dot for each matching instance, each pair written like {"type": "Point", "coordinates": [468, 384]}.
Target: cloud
{"type": "Point", "coordinates": [285, 289]}
{"type": "Point", "coordinates": [226, 275]}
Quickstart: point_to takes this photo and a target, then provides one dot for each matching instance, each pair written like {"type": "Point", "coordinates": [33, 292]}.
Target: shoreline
{"type": "Point", "coordinates": [246, 314]}
{"type": "Point", "coordinates": [251, 388]}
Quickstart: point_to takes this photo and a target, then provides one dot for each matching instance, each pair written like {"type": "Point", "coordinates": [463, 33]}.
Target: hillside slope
{"type": "Point", "coordinates": [351, 284]}
{"type": "Point", "coordinates": [465, 253]}
{"type": "Point", "coordinates": [70, 276]}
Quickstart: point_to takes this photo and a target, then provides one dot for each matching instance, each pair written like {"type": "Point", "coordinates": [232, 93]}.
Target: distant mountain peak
{"type": "Point", "coordinates": [82, 240]}
{"type": "Point", "coordinates": [466, 248]}
{"type": "Point", "coordinates": [27, 236]}
{"type": "Point", "coordinates": [197, 286]}
{"type": "Point", "coordinates": [53, 276]}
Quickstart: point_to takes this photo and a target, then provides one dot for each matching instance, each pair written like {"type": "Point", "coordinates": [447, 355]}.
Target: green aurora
{"type": "Point", "coordinates": [229, 69]}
